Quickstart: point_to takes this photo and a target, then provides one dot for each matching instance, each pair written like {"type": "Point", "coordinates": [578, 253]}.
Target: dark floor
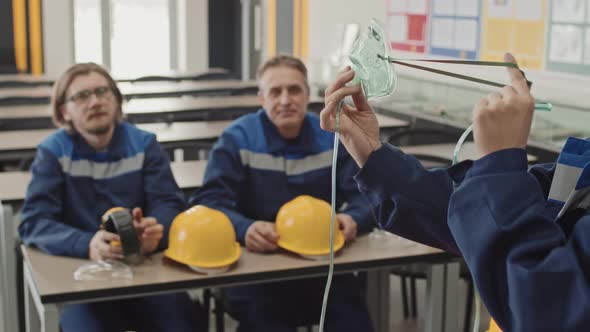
{"type": "Point", "coordinates": [398, 324]}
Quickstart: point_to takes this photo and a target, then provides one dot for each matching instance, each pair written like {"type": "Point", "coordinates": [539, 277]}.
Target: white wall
{"type": "Point", "coordinates": [58, 35]}
{"type": "Point", "coordinates": [326, 15]}
{"type": "Point", "coordinates": [194, 55]}
{"type": "Point", "coordinates": [325, 19]}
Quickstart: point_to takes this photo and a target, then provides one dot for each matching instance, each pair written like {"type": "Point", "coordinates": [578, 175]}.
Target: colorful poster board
{"type": "Point", "coordinates": [517, 26]}
{"type": "Point", "coordinates": [569, 36]}
{"type": "Point", "coordinates": [455, 28]}
{"type": "Point", "coordinates": [543, 34]}
{"type": "Point", "coordinates": [406, 23]}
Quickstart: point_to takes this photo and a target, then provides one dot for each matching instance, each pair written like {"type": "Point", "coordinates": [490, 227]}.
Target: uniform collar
{"type": "Point", "coordinates": [276, 143]}
{"type": "Point", "coordinates": [115, 148]}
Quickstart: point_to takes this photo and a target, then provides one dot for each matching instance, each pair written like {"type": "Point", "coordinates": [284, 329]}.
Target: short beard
{"type": "Point", "coordinates": [99, 131]}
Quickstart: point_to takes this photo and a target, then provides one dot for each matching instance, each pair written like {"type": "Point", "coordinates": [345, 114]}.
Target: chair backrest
{"type": "Point", "coordinates": [214, 74]}
{"type": "Point", "coordinates": [247, 91]}
{"type": "Point", "coordinates": [23, 84]}
{"type": "Point", "coordinates": [211, 74]}
{"type": "Point", "coordinates": [154, 78]}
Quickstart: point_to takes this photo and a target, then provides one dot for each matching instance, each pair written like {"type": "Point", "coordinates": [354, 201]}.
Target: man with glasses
{"type": "Point", "coordinates": [94, 162]}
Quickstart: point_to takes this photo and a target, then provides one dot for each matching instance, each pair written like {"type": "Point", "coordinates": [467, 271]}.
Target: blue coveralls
{"type": "Point", "coordinates": [252, 171]}
{"type": "Point", "coordinates": [72, 186]}
{"type": "Point", "coordinates": [530, 267]}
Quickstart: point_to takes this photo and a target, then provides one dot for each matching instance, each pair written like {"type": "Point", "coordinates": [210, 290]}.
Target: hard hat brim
{"type": "Point", "coordinates": [201, 264]}
{"type": "Point", "coordinates": [338, 244]}
{"type": "Point", "coordinates": [210, 271]}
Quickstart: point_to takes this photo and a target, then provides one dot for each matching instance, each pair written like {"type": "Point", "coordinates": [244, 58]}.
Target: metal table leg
{"type": "Point", "coordinates": [451, 298]}
{"type": "Point", "coordinates": [7, 276]}
{"type": "Point", "coordinates": [378, 298]}
{"type": "Point", "coordinates": [441, 302]}
{"type": "Point", "coordinates": [47, 314]}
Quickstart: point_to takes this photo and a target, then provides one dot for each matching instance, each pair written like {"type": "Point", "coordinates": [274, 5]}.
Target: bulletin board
{"type": "Point", "coordinates": [407, 21]}
{"type": "Point", "coordinates": [455, 28]}
{"type": "Point", "coordinates": [517, 26]}
{"type": "Point", "coordinates": [568, 36]}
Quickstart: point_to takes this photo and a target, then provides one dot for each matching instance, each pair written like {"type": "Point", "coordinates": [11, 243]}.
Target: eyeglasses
{"type": "Point", "coordinates": [83, 97]}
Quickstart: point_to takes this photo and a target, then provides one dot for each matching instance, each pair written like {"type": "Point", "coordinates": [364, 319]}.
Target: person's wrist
{"type": "Point", "coordinates": [363, 143]}
{"type": "Point", "coordinates": [376, 145]}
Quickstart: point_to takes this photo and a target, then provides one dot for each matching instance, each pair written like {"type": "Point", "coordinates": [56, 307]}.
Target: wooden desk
{"type": "Point", "coordinates": [143, 110]}
{"type": "Point", "coordinates": [32, 80]}
{"type": "Point", "coordinates": [197, 108]}
{"type": "Point", "coordinates": [446, 151]}
{"type": "Point", "coordinates": [190, 88]}
{"type": "Point", "coordinates": [19, 144]}
{"type": "Point", "coordinates": [388, 122]}
{"type": "Point", "coordinates": [14, 186]}
{"type": "Point", "coordinates": [188, 176]}
{"type": "Point", "coordinates": [175, 75]}
{"type": "Point", "coordinates": [189, 108]}
{"type": "Point", "coordinates": [42, 94]}
{"type": "Point", "coordinates": [8, 81]}
{"type": "Point", "coordinates": [49, 279]}
{"type": "Point", "coordinates": [149, 110]}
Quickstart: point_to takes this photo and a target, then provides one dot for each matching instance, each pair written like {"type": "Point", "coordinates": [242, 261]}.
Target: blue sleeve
{"type": "Point", "coordinates": [41, 224]}
{"type": "Point", "coordinates": [408, 199]}
{"type": "Point", "coordinates": [532, 275]}
{"type": "Point", "coordinates": [224, 178]}
{"type": "Point", "coordinates": [357, 205]}
{"type": "Point", "coordinates": [163, 199]}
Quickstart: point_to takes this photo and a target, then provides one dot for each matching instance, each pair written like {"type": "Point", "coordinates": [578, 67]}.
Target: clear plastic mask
{"type": "Point", "coordinates": [102, 271]}
{"type": "Point", "coordinates": [380, 238]}
{"type": "Point", "coordinates": [369, 61]}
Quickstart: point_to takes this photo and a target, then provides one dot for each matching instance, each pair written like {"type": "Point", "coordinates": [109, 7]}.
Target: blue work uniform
{"type": "Point", "coordinates": [252, 171]}
{"type": "Point", "coordinates": [72, 186]}
{"type": "Point", "coordinates": [530, 266]}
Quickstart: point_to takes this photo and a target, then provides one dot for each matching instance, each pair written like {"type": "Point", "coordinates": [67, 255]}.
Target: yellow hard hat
{"type": "Point", "coordinates": [493, 327]}
{"type": "Point", "coordinates": [303, 225]}
{"type": "Point", "coordinates": [204, 238]}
